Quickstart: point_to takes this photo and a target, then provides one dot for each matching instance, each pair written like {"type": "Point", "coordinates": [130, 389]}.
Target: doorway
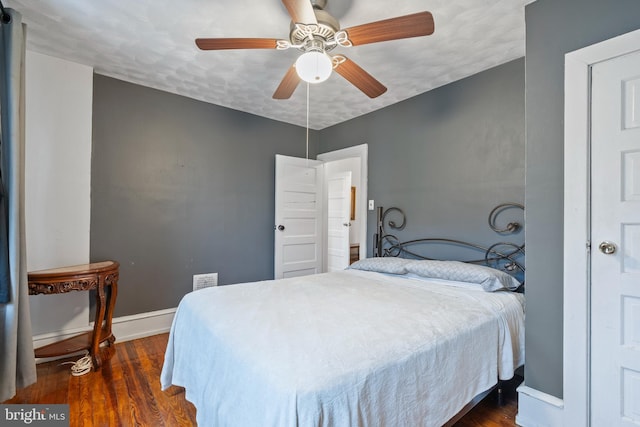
{"type": "Point", "coordinates": [354, 160]}
{"type": "Point", "coordinates": [302, 192]}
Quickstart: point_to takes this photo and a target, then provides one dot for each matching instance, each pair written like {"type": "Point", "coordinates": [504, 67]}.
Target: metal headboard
{"type": "Point", "coordinates": [501, 255]}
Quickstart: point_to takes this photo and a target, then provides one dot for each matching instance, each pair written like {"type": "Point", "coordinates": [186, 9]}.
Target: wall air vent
{"type": "Point", "coordinates": [201, 281]}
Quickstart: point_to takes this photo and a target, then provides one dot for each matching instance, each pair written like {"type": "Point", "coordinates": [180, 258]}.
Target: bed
{"type": "Point", "coordinates": [388, 342]}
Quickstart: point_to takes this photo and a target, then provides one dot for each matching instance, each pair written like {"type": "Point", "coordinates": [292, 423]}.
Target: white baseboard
{"type": "Point", "coordinates": [125, 328]}
{"type": "Point", "coordinates": [538, 409]}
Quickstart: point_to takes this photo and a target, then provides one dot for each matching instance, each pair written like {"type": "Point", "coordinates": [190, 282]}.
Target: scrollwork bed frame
{"type": "Point", "coordinates": [501, 255]}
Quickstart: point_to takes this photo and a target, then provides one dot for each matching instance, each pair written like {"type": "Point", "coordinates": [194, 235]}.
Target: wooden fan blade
{"type": "Point", "coordinates": [301, 11]}
{"type": "Point", "coordinates": [220, 44]}
{"type": "Point", "coordinates": [402, 27]}
{"type": "Point", "coordinates": [360, 78]}
{"type": "Point", "coordinates": [288, 84]}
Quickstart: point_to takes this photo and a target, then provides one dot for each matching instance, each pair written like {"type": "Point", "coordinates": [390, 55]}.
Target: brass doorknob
{"type": "Point", "coordinates": [607, 248]}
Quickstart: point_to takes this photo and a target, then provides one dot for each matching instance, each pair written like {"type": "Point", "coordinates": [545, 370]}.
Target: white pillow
{"type": "Point", "coordinates": [488, 278]}
{"type": "Point", "coordinates": [390, 265]}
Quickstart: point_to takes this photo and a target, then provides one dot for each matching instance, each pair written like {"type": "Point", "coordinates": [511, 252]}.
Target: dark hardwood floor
{"type": "Point", "coordinates": [126, 392]}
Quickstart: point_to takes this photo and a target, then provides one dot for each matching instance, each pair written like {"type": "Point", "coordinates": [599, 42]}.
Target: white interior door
{"type": "Point", "coordinates": [338, 220]}
{"type": "Point", "coordinates": [298, 217]}
{"type": "Point", "coordinates": [615, 242]}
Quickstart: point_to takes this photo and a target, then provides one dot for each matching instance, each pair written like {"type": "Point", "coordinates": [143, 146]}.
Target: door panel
{"type": "Point", "coordinates": [338, 220]}
{"type": "Point", "coordinates": [298, 217]}
{"type": "Point", "coordinates": [631, 164]}
{"type": "Point", "coordinates": [615, 242]}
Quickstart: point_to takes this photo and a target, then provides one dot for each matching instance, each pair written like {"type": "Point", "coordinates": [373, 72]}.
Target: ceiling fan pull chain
{"type": "Point", "coordinates": [308, 120]}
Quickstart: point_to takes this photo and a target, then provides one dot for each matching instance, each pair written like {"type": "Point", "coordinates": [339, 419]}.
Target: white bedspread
{"type": "Point", "coordinates": [349, 348]}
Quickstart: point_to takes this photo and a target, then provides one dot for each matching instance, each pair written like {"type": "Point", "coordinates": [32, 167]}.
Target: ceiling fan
{"type": "Point", "coordinates": [315, 32]}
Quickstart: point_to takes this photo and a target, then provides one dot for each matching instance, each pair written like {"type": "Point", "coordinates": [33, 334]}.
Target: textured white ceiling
{"type": "Point", "coordinates": [151, 42]}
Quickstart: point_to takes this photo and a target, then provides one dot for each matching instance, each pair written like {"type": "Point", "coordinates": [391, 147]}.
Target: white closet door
{"type": "Point", "coordinates": [615, 242]}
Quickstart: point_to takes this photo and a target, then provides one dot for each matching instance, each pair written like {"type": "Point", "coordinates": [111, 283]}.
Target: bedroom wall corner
{"type": "Point", "coordinates": [58, 110]}
{"type": "Point", "coordinates": [182, 187]}
{"type": "Point", "coordinates": [447, 156]}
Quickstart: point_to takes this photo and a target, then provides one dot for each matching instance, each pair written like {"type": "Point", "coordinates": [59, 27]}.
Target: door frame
{"type": "Point", "coordinates": [362, 152]}
{"type": "Point", "coordinates": [576, 251]}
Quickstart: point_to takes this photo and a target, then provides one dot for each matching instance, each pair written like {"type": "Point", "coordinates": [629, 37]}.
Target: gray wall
{"type": "Point", "coordinates": [172, 194]}
{"type": "Point", "coordinates": [180, 187]}
{"type": "Point", "coordinates": [446, 157]}
{"type": "Point", "coordinates": [554, 28]}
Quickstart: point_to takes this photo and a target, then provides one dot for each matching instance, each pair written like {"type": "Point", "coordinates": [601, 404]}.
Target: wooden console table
{"type": "Point", "coordinates": [95, 276]}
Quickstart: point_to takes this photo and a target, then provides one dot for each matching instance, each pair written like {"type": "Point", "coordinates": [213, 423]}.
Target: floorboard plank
{"type": "Point", "coordinates": [126, 392]}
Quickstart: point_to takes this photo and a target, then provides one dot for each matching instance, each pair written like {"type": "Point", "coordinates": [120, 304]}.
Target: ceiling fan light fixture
{"type": "Point", "coordinates": [314, 66]}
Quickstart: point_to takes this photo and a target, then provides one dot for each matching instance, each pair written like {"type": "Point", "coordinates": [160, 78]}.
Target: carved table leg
{"type": "Point", "coordinates": [97, 327]}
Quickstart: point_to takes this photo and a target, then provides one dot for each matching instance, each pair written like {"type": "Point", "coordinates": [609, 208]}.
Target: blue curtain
{"type": "Point", "coordinates": [5, 277]}
{"type": "Point", "coordinates": [17, 361]}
